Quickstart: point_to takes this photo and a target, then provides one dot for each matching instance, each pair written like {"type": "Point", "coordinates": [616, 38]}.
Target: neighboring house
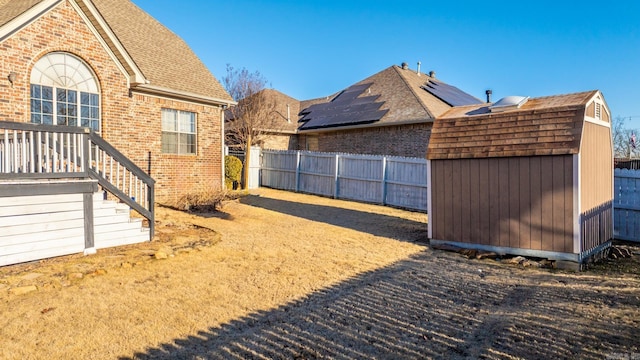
{"type": "Point", "coordinates": [388, 113]}
{"type": "Point", "coordinates": [278, 130]}
{"type": "Point", "coordinates": [98, 95]}
{"type": "Point", "coordinates": [108, 65]}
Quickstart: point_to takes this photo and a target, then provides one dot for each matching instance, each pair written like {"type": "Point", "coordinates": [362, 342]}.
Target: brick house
{"type": "Point", "coordinates": [109, 66]}
{"type": "Point", "coordinates": [389, 113]}
{"type": "Point", "coordinates": [280, 127]}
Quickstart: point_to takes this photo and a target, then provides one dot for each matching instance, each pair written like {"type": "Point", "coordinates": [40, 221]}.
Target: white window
{"type": "Point", "coordinates": [64, 91]}
{"type": "Point", "coordinates": [178, 132]}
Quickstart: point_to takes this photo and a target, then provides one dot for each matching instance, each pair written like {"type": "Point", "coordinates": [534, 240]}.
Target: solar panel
{"type": "Point", "coordinates": [347, 108]}
{"type": "Point", "coordinates": [450, 94]}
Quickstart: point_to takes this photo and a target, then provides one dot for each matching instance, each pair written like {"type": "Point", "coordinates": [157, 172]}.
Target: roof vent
{"type": "Point", "coordinates": [432, 74]}
{"type": "Point", "coordinates": [509, 103]}
{"type": "Point", "coordinates": [405, 66]}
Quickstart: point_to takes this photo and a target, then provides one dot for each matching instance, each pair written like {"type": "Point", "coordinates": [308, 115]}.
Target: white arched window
{"type": "Point", "coordinates": [64, 91]}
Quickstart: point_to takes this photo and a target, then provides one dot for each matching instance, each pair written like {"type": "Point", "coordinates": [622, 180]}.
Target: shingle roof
{"type": "Point", "coordinates": [279, 120]}
{"type": "Point", "coordinates": [549, 125]}
{"type": "Point", "coordinates": [402, 94]}
{"type": "Point", "coordinates": [347, 108]}
{"type": "Point", "coordinates": [10, 9]}
{"type": "Point", "coordinates": [162, 56]}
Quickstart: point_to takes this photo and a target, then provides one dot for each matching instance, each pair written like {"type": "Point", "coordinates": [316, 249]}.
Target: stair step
{"type": "Point", "coordinates": [134, 224]}
{"type": "Point", "coordinates": [113, 225]}
{"type": "Point", "coordinates": [118, 238]}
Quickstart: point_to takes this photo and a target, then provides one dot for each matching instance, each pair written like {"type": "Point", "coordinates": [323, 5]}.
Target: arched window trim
{"type": "Point", "coordinates": [64, 91]}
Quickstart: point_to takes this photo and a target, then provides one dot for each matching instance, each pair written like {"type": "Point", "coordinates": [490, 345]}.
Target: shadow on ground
{"type": "Point", "coordinates": [433, 305]}
{"type": "Point", "coordinates": [346, 218]}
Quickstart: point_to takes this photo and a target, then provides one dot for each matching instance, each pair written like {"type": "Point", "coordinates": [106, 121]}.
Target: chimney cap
{"type": "Point", "coordinates": [432, 74]}
{"type": "Point", "coordinates": [404, 66]}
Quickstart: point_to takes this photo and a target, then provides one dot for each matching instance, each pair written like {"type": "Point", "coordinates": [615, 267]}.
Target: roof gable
{"type": "Point", "coordinates": [400, 98]}
{"type": "Point", "coordinates": [549, 125]}
{"type": "Point", "coordinates": [155, 59]}
{"type": "Point", "coordinates": [163, 57]}
{"type": "Point", "coordinates": [284, 115]}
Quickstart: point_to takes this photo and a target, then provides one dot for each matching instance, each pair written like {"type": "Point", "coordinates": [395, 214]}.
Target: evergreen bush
{"type": "Point", "coordinates": [232, 172]}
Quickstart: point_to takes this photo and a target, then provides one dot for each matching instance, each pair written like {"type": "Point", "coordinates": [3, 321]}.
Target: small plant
{"type": "Point", "coordinates": [203, 201]}
{"type": "Point", "coordinates": [232, 172]}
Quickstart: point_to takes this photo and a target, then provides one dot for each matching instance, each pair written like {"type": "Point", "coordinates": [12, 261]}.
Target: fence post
{"type": "Point", "coordinates": [335, 178]}
{"type": "Point", "coordinates": [297, 170]}
{"type": "Point", "coordinates": [384, 180]}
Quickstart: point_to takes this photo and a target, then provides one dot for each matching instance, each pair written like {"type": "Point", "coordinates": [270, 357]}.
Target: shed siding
{"type": "Point", "coordinates": [596, 186]}
{"type": "Point", "coordinates": [596, 167]}
{"type": "Point", "coordinates": [524, 202]}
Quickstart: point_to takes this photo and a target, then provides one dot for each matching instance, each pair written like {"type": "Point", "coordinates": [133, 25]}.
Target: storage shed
{"type": "Point", "coordinates": [522, 176]}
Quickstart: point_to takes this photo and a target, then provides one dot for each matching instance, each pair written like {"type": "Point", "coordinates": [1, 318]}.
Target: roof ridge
{"type": "Point", "coordinates": [406, 83]}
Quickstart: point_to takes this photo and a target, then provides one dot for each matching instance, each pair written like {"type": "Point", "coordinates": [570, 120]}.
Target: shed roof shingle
{"type": "Point", "coordinates": [549, 125]}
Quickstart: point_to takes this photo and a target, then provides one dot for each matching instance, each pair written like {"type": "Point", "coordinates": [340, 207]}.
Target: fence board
{"type": "Point", "coordinates": [395, 181]}
{"type": "Point", "coordinates": [626, 204]}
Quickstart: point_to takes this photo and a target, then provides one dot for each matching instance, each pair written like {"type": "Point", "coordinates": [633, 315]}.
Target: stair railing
{"type": "Point", "coordinates": [37, 151]}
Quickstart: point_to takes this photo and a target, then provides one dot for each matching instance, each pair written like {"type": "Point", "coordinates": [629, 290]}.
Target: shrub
{"type": "Point", "coordinates": [232, 171]}
{"type": "Point", "coordinates": [205, 201]}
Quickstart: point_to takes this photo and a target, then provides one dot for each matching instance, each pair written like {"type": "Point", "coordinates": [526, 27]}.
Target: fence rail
{"type": "Point", "coordinates": [394, 181]}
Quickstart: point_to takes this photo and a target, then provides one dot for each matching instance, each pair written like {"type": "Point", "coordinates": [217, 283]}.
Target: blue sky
{"type": "Point", "coordinates": [310, 49]}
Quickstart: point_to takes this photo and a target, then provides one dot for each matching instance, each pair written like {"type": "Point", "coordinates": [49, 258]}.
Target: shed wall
{"type": "Point", "coordinates": [596, 186]}
{"type": "Point", "coordinates": [521, 202]}
{"type": "Point", "coordinates": [596, 167]}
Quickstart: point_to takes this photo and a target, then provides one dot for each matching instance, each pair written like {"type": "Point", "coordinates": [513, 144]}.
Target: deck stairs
{"type": "Point", "coordinates": [53, 184]}
{"type": "Point", "coordinates": [114, 225]}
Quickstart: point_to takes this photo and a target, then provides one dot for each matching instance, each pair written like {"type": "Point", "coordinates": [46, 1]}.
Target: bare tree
{"type": "Point", "coordinates": [625, 144]}
{"type": "Point", "coordinates": [253, 117]}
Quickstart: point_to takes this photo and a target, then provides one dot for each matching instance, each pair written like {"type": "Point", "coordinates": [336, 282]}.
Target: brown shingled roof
{"type": "Point", "coordinates": [400, 91]}
{"type": "Point", "coordinates": [10, 9]}
{"type": "Point", "coordinates": [165, 60]}
{"type": "Point", "coordinates": [163, 57]}
{"type": "Point", "coordinates": [403, 97]}
{"type": "Point", "coordinates": [279, 119]}
{"type": "Point", "coordinates": [549, 125]}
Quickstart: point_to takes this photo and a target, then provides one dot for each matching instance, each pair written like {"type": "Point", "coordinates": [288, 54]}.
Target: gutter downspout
{"type": "Point", "coordinates": [222, 142]}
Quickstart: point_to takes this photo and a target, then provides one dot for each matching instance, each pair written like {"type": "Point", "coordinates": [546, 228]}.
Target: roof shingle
{"type": "Point", "coordinates": [162, 56]}
{"type": "Point", "coordinates": [402, 95]}
{"type": "Point", "coordinates": [549, 125]}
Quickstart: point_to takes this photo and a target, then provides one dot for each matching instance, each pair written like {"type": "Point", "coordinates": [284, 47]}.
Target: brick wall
{"type": "Point", "coordinates": [130, 122]}
{"type": "Point", "coordinates": [279, 142]}
{"type": "Point", "coordinates": [403, 140]}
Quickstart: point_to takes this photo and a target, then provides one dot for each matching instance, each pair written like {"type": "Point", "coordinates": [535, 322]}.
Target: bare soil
{"type": "Point", "coordinates": [285, 275]}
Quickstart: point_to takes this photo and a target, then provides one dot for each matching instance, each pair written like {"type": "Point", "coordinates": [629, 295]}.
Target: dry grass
{"type": "Point", "coordinates": [266, 258]}
{"type": "Point", "coordinates": [294, 276]}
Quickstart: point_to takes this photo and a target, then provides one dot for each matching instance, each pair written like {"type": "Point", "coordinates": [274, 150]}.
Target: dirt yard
{"type": "Point", "coordinates": [284, 275]}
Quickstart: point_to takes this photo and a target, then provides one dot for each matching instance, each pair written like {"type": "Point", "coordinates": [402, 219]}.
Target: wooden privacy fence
{"type": "Point", "coordinates": [626, 204]}
{"type": "Point", "coordinates": [395, 181]}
